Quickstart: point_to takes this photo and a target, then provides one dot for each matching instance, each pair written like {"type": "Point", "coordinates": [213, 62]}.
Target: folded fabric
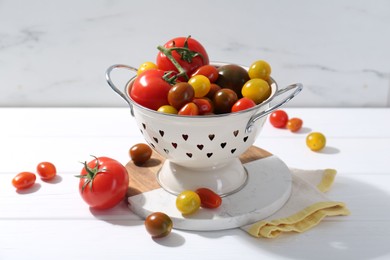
{"type": "Point", "coordinates": [305, 208]}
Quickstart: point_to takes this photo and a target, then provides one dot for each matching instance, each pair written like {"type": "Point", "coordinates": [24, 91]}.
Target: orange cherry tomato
{"type": "Point", "coordinates": [189, 109]}
{"type": "Point", "coordinates": [24, 180]}
{"type": "Point", "coordinates": [294, 124]}
{"type": "Point", "coordinates": [46, 170]}
{"type": "Point", "coordinates": [208, 198]}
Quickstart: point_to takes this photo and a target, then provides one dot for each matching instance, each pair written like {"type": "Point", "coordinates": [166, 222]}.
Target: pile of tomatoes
{"type": "Point", "coordinates": [183, 82]}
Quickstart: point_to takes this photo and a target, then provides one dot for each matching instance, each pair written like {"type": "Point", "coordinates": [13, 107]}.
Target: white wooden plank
{"type": "Point", "coordinates": [118, 122]}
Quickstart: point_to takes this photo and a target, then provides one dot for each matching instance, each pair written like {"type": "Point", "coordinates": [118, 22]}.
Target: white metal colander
{"type": "Point", "coordinates": [202, 151]}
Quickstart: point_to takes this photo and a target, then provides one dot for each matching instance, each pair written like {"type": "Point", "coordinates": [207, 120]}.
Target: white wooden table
{"type": "Point", "coordinates": [51, 221]}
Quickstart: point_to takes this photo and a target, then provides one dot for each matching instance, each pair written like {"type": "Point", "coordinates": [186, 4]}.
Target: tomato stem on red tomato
{"type": "Point", "coordinates": [91, 174]}
{"type": "Point", "coordinates": [185, 54]}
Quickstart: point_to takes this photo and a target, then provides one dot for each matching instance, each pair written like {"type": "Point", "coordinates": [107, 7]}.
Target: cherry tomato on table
{"type": "Point", "coordinates": [316, 141]}
{"type": "Point", "coordinates": [158, 224]}
{"type": "Point", "coordinates": [188, 202]}
{"type": "Point", "coordinates": [278, 118]}
{"type": "Point", "coordinates": [208, 198]}
{"type": "Point", "coordinates": [46, 170]}
{"type": "Point", "coordinates": [103, 183]}
{"type": "Point", "coordinates": [24, 180]}
{"type": "Point", "coordinates": [294, 124]}
{"type": "Point", "coordinates": [140, 153]}
{"type": "Point", "coordinates": [150, 89]}
{"type": "Point", "coordinates": [186, 51]}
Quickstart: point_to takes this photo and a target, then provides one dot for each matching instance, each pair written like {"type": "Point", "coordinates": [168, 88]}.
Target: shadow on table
{"type": "Point", "coordinates": [362, 235]}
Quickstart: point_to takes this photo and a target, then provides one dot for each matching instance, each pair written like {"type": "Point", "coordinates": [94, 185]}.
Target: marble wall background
{"type": "Point", "coordinates": [55, 53]}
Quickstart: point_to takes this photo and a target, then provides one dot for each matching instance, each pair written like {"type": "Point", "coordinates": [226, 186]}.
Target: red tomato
{"type": "Point", "coordinates": [242, 104]}
{"type": "Point", "coordinates": [208, 198]}
{"type": "Point", "coordinates": [189, 109]}
{"type": "Point", "coordinates": [205, 105]}
{"type": "Point", "coordinates": [278, 118]}
{"type": "Point", "coordinates": [24, 180]}
{"type": "Point", "coordinates": [209, 71]}
{"type": "Point", "coordinates": [103, 183]}
{"type": "Point", "coordinates": [186, 51]}
{"type": "Point", "coordinates": [150, 89]}
{"type": "Point", "coordinates": [46, 170]}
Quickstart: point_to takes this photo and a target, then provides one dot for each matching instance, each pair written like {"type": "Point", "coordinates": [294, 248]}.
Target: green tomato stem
{"type": "Point", "coordinates": [168, 53]}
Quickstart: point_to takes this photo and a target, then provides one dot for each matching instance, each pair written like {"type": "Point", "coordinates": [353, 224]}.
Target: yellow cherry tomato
{"type": "Point", "coordinates": [256, 89]}
{"type": "Point", "coordinates": [188, 202]}
{"type": "Point", "coordinates": [167, 109]}
{"type": "Point", "coordinates": [201, 85]}
{"type": "Point", "coordinates": [146, 66]}
{"type": "Point", "coordinates": [259, 70]}
{"type": "Point", "coordinates": [316, 141]}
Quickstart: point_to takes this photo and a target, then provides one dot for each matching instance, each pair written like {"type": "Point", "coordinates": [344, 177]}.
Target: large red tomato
{"type": "Point", "coordinates": [188, 53]}
{"type": "Point", "coordinates": [103, 183]}
{"type": "Point", "coordinates": [150, 89]}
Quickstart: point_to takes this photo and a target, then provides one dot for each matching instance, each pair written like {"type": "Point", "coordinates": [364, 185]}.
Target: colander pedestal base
{"type": "Point", "coordinates": [224, 180]}
{"type": "Point", "coordinates": [267, 189]}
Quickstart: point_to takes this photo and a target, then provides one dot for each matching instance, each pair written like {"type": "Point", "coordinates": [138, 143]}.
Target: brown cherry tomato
{"type": "Point", "coordinates": [24, 180]}
{"type": "Point", "coordinates": [208, 198]}
{"type": "Point", "coordinates": [205, 106]}
{"type": "Point", "coordinates": [294, 124]}
{"type": "Point", "coordinates": [213, 89]}
{"type": "Point", "coordinates": [140, 153]}
{"type": "Point", "coordinates": [189, 109]}
{"type": "Point", "coordinates": [158, 224]}
{"type": "Point", "coordinates": [46, 170]}
{"type": "Point", "coordinates": [224, 99]}
{"type": "Point", "coordinates": [180, 94]}
{"type": "Point", "coordinates": [209, 71]}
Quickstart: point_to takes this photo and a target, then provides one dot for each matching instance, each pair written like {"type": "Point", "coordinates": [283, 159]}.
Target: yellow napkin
{"type": "Point", "coordinates": [305, 208]}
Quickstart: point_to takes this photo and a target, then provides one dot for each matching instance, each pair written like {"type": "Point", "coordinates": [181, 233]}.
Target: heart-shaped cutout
{"type": "Point", "coordinates": [189, 155]}
{"type": "Point", "coordinates": [223, 145]}
{"type": "Point", "coordinates": [185, 137]}
{"type": "Point", "coordinates": [161, 133]}
{"type": "Point", "coordinates": [174, 145]}
{"type": "Point", "coordinates": [211, 137]}
{"type": "Point", "coordinates": [209, 154]}
{"type": "Point", "coordinates": [200, 146]}
{"type": "Point", "coordinates": [236, 132]}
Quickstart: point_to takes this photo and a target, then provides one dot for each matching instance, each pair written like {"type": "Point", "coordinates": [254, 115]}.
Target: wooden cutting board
{"type": "Point", "coordinates": [143, 178]}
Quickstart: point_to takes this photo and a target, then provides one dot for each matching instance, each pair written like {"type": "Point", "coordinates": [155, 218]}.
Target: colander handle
{"type": "Point", "coordinates": [112, 85]}
{"type": "Point", "coordinates": [297, 87]}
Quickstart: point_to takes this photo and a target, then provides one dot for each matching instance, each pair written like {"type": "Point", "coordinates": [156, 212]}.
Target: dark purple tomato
{"type": "Point", "coordinates": [223, 100]}
{"type": "Point", "coordinates": [233, 77]}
